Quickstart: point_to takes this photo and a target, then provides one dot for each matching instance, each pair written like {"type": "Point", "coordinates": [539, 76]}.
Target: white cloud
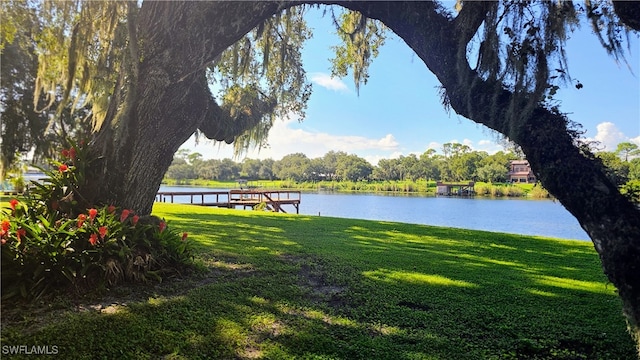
{"type": "Point", "coordinates": [434, 145]}
{"type": "Point", "coordinates": [373, 159]}
{"type": "Point", "coordinates": [329, 82]}
{"type": "Point", "coordinates": [388, 142]}
{"type": "Point", "coordinates": [609, 136]}
{"type": "Point", "coordinates": [284, 139]}
{"type": "Point", "coordinates": [489, 146]}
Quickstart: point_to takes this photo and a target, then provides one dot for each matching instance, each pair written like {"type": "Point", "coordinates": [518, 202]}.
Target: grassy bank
{"type": "Point", "coordinates": [420, 186]}
{"type": "Point", "coordinates": [284, 286]}
{"type": "Point", "coordinates": [404, 186]}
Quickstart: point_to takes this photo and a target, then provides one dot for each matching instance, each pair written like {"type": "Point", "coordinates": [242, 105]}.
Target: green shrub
{"type": "Point", "coordinates": [263, 206]}
{"type": "Point", "coordinates": [513, 191]}
{"type": "Point", "coordinates": [18, 183]}
{"type": "Point", "coordinates": [482, 189]}
{"type": "Point", "coordinates": [631, 190]}
{"type": "Point", "coordinates": [496, 190]}
{"type": "Point", "coordinates": [49, 241]}
{"type": "Point", "coordinates": [538, 192]}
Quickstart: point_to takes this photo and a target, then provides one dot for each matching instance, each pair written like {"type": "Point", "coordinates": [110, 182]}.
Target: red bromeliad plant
{"type": "Point", "coordinates": [52, 238]}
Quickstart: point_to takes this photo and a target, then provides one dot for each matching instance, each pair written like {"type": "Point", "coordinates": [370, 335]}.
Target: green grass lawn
{"type": "Point", "coordinates": [285, 286]}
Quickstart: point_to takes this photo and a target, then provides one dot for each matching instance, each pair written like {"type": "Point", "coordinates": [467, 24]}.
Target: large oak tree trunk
{"type": "Point", "coordinates": [169, 100]}
{"type": "Point", "coordinates": [167, 97]}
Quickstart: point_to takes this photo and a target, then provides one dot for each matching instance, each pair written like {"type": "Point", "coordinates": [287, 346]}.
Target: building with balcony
{"type": "Point", "coordinates": [520, 172]}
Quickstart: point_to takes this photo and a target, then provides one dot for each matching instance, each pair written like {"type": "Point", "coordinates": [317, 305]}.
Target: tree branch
{"type": "Point", "coordinates": [197, 30]}
{"type": "Point", "coordinates": [470, 17]}
{"type": "Point", "coordinates": [218, 123]}
{"type": "Point", "coordinates": [629, 13]}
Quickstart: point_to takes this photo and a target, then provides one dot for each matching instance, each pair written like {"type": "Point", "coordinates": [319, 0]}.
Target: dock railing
{"type": "Point", "coordinates": [273, 199]}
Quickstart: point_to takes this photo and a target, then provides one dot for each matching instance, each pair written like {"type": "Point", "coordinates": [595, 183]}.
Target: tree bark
{"type": "Point", "coordinates": [576, 180]}
{"type": "Point", "coordinates": [168, 97]}
{"type": "Point", "coordinates": [628, 12]}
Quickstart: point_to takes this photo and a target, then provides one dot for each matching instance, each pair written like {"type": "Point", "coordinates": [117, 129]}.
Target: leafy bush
{"type": "Point", "coordinates": [482, 189]}
{"type": "Point", "coordinates": [497, 190]}
{"type": "Point", "coordinates": [538, 192]}
{"type": "Point", "coordinates": [631, 190]}
{"type": "Point", "coordinates": [18, 183]}
{"type": "Point", "coordinates": [49, 241]}
{"type": "Point", "coordinates": [513, 191]}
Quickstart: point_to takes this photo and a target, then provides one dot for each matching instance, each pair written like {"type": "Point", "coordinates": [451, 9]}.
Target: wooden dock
{"type": "Point", "coordinates": [272, 199]}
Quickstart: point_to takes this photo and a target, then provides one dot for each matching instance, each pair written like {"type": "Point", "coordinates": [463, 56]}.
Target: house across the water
{"type": "Point", "coordinates": [520, 172]}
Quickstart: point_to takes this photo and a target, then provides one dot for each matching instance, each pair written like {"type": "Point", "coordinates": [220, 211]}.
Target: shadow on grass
{"type": "Point", "coordinates": [312, 287]}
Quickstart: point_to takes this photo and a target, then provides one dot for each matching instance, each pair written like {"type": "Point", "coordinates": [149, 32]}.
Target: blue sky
{"type": "Point", "coordinates": [398, 112]}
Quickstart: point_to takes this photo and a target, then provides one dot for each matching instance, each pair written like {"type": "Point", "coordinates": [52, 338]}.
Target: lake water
{"type": "Point", "coordinates": [519, 216]}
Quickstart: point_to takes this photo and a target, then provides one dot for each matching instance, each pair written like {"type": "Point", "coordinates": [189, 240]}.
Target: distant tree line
{"type": "Point", "coordinates": [458, 162]}
{"type": "Point", "coordinates": [623, 164]}
{"type": "Point", "coordinates": [623, 168]}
